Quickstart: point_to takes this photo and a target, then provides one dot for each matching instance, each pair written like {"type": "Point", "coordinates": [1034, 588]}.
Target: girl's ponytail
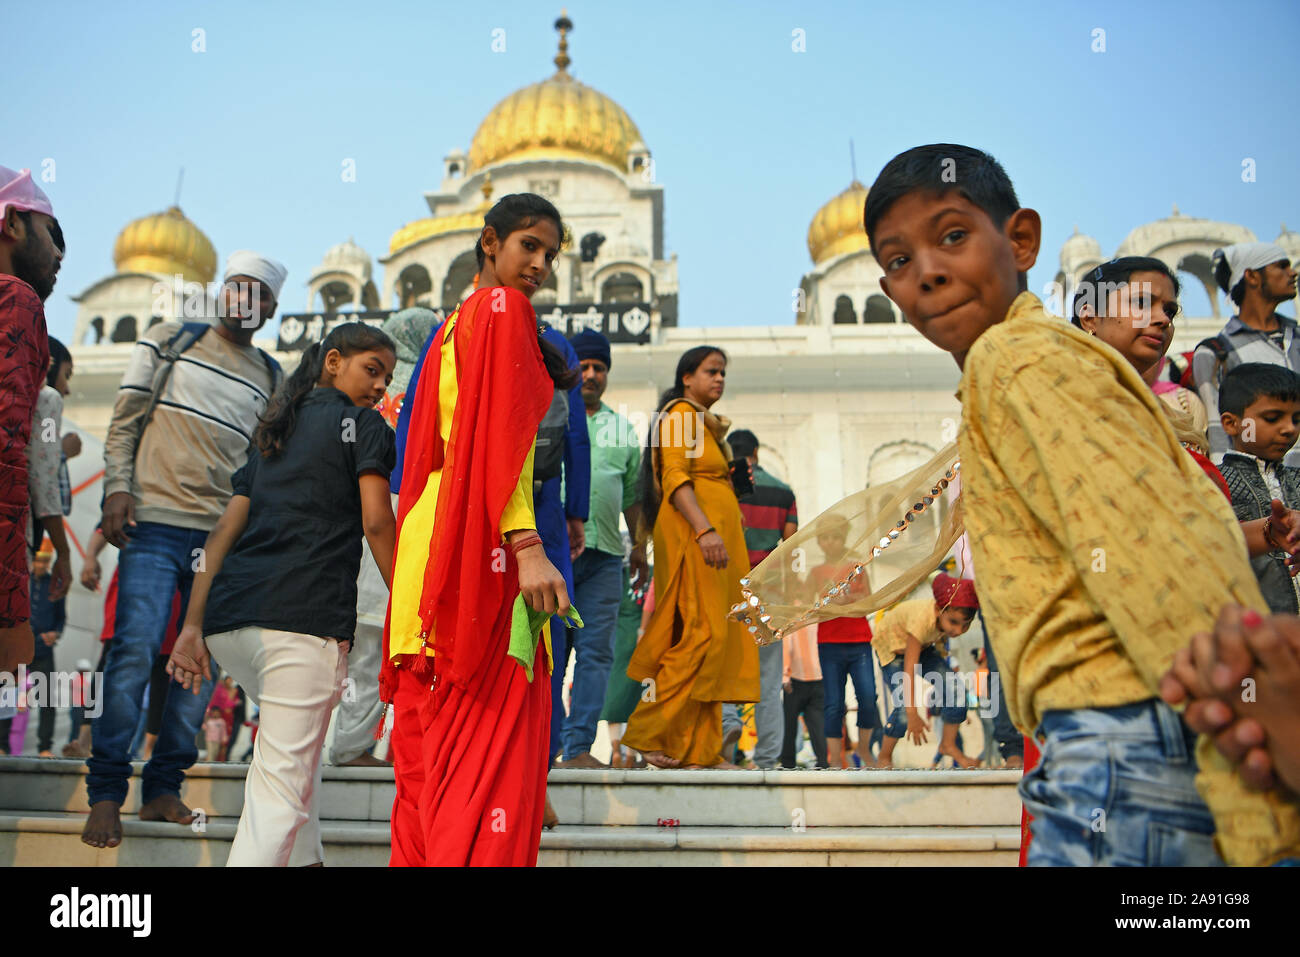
{"type": "Point", "coordinates": [281, 415]}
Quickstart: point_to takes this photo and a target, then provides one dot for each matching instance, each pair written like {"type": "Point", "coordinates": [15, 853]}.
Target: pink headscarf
{"type": "Point", "coordinates": [19, 191]}
{"type": "Point", "coordinates": [1162, 385]}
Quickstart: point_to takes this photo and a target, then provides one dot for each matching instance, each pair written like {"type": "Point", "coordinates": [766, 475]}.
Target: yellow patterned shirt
{"type": "Point", "coordinates": [917, 618]}
{"type": "Point", "coordinates": [1100, 546]}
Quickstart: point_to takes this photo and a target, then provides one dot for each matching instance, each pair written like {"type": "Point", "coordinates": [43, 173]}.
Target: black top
{"type": "Point", "coordinates": [295, 566]}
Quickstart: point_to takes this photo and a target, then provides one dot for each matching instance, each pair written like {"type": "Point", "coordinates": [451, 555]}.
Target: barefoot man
{"type": "Point", "coordinates": [168, 466]}
{"type": "Point", "coordinates": [30, 253]}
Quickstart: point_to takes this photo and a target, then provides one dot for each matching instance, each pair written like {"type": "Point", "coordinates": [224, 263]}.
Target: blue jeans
{"type": "Point", "coordinates": [1114, 786]}
{"type": "Point", "coordinates": [1011, 743]}
{"type": "Point", "coordinates": [155, 563]}
{"type": "Point", "coordinates": [841, 660]}
{"type": "Point", "coordinates": [948, 687]}
{"type": "Point", "coordinates": [597, 592]}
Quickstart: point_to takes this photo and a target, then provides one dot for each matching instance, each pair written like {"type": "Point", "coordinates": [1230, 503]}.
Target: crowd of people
{"type": "Point", "coordinates": [414, 533]}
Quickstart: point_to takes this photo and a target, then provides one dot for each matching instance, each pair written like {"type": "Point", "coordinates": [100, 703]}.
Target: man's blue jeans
{"type": "Point", "coordinates": [156, 562]}
{"type": "Point", "coordinates": [1114, 786]}
{"type": "Point", "coordinates": [597, 592]}
{"type": "Point", "coordinates": [1011, 742]}
{"type": "Point", "coordinates": [950, 691]}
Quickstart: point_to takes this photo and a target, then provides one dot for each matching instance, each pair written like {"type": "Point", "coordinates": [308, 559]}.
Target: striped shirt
{"type": "Point", "coordinates": [199, 432]}
{"type": "Point", "coordinates": [765, 512]}
{"type": "Point", "coordinates": [1242, 344]}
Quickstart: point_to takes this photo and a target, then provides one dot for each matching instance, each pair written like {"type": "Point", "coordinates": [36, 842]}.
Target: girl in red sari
{"type": "Point", "coordinates": [471, 726]}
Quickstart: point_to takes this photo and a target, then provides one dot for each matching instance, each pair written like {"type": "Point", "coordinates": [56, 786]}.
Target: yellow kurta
{"type": "Point", "coordinates": [693, 657]}
{"type": "Point", "coordinates": [1101, 546]}
{"type": "Point", "coordinates": [417, 529]}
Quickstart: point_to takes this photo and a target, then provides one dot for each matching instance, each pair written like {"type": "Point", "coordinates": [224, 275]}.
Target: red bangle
{"type": "Point", "coordinates": [527, 542]}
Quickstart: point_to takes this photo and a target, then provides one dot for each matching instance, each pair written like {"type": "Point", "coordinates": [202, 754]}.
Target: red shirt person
{"type": "Point", "coordinates": [31, 247]}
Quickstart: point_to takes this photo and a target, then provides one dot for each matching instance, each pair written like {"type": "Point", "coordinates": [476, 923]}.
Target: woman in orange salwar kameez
{"type": "Point", "coordinates": [471, 725]}
{"type": "Point", "coordinates": [691, 658]}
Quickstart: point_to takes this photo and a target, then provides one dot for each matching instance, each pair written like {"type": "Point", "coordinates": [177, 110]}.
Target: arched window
{"type": "Point", "coordinates": [412, 283]}
{"type": "Point", "coordinates": [124, 330]}
{"type": "Point", "coordinates": [459, 280]}
{"type": "Point", "coordinates": [844, 314]}
{"type": "Point", "coordinates": [94, 332]}
{"type": "Point", "coordinates": [622, 287]}
{"type": "Point", "coordinates": [878, 309]}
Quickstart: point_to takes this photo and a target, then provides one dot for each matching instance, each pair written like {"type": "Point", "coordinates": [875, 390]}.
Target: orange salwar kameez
{"type": "Point", "coordinates": [691, 658]}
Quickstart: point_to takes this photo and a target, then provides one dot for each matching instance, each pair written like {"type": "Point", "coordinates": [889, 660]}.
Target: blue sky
{"type": "Point", "coordinates": [749, 137]}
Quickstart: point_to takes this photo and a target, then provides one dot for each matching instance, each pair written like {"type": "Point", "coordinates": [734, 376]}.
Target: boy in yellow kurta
{"type": "Point", "coordinates": [1102, 546]}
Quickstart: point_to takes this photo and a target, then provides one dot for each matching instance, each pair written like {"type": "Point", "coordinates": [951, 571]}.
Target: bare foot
{"type": "Point", "coordinates": [960, 759]}
{"type": "Point", "coordinates": [166, 807]}
{"type": "Point", "coordinates": [1015, 763]}
{"type": "Point", "coordinates": [104, 826]}
{"type": "Point", "coordinates": [73, 749]}
{"type": "Point", "coordinates": [660, 760]}
{"type": "Point", "coordinates": [366, 760]}
{"type": "Point", "coordinates": [549, 817]}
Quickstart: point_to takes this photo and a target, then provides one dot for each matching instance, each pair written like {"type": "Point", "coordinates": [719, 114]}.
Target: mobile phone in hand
{"type": "Point", "coordinates": [740, 480]}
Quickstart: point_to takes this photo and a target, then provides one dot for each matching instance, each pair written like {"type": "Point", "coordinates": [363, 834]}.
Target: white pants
{"type": "Point", "coordinates": [361, 709]}
{"type": "Point", "coordinates": [296, 680]}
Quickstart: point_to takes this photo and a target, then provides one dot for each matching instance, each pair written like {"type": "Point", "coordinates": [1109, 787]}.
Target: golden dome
{"type": "Point", "coordinates": [166, 244]}
{"type": "Point", "coordinates": [837, 227]}
{"type": "Point", "coordinates": [557, 117]}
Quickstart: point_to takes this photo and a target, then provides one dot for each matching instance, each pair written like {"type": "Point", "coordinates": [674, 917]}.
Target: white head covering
{"type": "Point", "coordinates": [246, 263]}
{"type": "Point", "coordinates": [1243, 256]}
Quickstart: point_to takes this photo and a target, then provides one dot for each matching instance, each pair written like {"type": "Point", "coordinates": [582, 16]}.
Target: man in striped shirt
{"type": "Point", "coordinates": [770, 516]}
{"type": "Point", "coordinates": [1258, 277]}
{"type": "Point", "coordinates": [167, 479]}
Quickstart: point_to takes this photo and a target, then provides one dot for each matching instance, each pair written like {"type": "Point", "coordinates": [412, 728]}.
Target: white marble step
{"type": "Point", "coordinates": [779, 799]}
{"type": "Point", "coordinates": [53, 839]}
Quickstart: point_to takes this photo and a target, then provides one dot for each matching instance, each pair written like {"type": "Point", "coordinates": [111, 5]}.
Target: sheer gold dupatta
{"type": "Point", "coordinates": [894, 534]}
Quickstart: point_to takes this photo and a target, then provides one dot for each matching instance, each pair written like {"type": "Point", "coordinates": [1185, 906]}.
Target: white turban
{"type": "Point", "coordinates": [268, 271]}
{"type": "Point", "coordinates": [1243, 256]}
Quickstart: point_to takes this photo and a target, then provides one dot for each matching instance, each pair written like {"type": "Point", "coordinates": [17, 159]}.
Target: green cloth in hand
{"type": "Point", "coordinates": [526, 630]}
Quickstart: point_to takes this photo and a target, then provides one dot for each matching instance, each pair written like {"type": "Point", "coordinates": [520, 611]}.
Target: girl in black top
{"type": "Point", "coordinates": [275, 586]}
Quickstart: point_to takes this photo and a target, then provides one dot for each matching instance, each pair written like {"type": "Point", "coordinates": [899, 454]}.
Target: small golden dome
{"type": "Point", "coordinates": [557, 117]}
{"type": "Point", "coordinates": [166, 244]}
{"type": "Point", "coordinates": [420, 229]}
{"type": "Point", "coordinates": [837, 227]}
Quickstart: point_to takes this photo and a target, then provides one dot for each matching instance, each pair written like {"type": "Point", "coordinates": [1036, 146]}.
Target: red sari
{"type": "Point", "coordinates": [470, 731]}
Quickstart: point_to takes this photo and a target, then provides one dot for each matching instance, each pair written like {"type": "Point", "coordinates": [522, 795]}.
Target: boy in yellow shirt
{"type": "Point", "coordinates": [912, 633]}
{"type": "Point", "coordinates": [1101, 543]}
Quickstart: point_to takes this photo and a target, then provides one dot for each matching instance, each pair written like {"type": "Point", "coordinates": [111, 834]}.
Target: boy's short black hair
{"type": "Point", "coordinates": [743, 443]}
{"type": "Point", "coordinates": [1113, 273]}
{"type": "Point", "coordinates": [1249, 381]}
{"type": "Point", "coordinates": [940, 168]}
